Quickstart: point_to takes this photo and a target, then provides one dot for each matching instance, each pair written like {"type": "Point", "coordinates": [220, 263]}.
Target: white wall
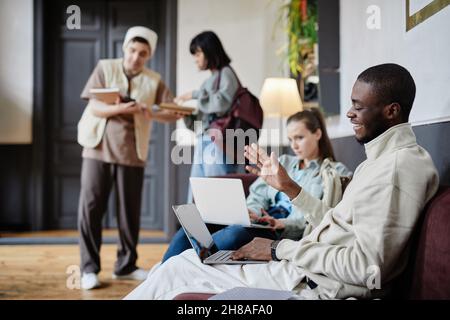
{"type": "Point", "coordinates": [246, 29]}
{"type": "Point", "coordinates": [16, 71]}
{"type": "Point", "coordinates": [424, 51]}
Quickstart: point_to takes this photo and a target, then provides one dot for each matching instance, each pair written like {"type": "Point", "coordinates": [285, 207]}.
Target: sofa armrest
{"type": "Point", "coordinates": [431, 255]}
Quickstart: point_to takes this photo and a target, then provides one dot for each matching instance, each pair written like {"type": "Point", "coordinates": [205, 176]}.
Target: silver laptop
{"type": "Point", "coordinates": [222, 201]}
{"type": "Point", "coordinates": [201, 239]}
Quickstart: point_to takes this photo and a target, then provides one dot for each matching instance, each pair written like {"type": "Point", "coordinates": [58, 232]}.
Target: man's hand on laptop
{"type": "Point", "coordinates": [257, 249]}
{"type": "Point", "coordinates": [270, 170]}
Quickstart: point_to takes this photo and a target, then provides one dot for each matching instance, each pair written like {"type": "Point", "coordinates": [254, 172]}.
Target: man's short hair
{"type": "Point", "coordinates": [392, 83]}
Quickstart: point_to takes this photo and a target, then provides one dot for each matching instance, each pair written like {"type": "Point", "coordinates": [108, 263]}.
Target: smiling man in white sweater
{"type": "Point", "coordinates": [359, 246]}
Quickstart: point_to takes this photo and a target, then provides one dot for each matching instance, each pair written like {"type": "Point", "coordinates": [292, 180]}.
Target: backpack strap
{"type": "Point", "coordinates": [217, 86]}
{"type": "Point", "coordinates": [237, 78]}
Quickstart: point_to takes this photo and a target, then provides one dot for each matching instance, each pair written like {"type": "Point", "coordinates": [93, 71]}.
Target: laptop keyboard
{"type": "Point", "coordinates": [224, 255]}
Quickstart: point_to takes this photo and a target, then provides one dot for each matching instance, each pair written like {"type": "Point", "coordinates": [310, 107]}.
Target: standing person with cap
{"type": "Point", "coordinates": [115, 140]}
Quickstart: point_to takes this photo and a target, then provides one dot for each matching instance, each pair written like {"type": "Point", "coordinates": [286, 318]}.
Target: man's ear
{"type": "Point", "coordinates": [392, 111]}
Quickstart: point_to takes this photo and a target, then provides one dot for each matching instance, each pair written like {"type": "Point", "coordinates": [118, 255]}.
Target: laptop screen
{"type": "Point", "coordinates": [220, 200]}
{"type": "Point", "coordinates": [196, 230]}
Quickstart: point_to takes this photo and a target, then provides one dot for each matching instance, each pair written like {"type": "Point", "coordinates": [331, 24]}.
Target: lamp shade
{"type": "Point", "coordinates": [280, 97]}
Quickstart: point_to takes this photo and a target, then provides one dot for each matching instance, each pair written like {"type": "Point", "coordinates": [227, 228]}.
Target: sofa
{"type": "Point", "coordinates": [427, 275]}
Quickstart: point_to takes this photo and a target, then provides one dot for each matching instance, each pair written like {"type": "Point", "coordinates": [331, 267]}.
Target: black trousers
{"type": "Point", "coordinates": [97, 179]}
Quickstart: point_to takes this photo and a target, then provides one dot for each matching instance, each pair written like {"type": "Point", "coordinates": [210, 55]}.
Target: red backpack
{"type": "Point", "coordinates": [245, 113]}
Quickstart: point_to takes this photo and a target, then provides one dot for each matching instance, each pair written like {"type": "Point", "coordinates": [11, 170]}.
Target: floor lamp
{"type": "Point", "coordinates": [280, 98]}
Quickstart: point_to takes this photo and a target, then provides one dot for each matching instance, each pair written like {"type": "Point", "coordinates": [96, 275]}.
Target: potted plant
{"type": "Point", "coordinates": [300, 20]}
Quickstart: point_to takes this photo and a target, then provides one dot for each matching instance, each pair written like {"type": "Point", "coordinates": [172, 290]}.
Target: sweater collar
{"type": "Point", "coordinates": [396, 137]}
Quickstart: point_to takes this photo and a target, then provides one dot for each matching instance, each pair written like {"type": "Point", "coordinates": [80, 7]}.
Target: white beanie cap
{"type": "Point", "coordinates": [143, 32]}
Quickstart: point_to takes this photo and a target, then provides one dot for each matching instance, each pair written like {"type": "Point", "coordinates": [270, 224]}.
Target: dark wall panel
{"type": "Point", "coordinates": [435, 138]}
{"type": "Point", "coordinates": [15, 183]}
{"type": "Point", "coordinates": [328, 38]}
{"type": "Point", "coordinates": [29, 175]}
{"type": "Point", "coordinates": [348, 151]}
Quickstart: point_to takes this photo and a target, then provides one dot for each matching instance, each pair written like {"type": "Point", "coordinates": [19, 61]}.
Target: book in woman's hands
{"type": "Point", "coordinates": [106, 95]}
{"type": "Point", "coordinates": [170, 106]}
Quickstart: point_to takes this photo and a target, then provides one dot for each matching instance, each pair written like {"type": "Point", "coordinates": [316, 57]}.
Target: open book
{"type": "Point", "coordinates": [176, 108]}
{"type": "Point", "coordinates": [106, 95]}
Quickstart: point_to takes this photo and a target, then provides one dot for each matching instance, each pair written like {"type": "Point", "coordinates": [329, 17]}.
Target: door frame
{"type": "Point", "coordinates": [40, 180]}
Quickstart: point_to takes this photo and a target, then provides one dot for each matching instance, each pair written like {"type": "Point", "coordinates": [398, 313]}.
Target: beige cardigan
{"type": "Point", "coordinates": [364, 240]}
{"type": "Point", "coordinates": [143, 89]}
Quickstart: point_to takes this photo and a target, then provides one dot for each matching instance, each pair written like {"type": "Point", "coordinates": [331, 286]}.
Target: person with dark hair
{"type": "Point", "coordinates": [214, 99]}
{"type": "Point", "coordinates": [115, 140]}
{"type": "Point", "coordinates": [361, 245]}
{"type": "Point", "coordinates": [312, 166]}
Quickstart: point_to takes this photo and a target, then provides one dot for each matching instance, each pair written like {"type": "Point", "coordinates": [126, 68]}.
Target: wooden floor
{"type": "Point", "coordinates": [39, 271]}
{"type": "Point", "coordinates": [74, 233]}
